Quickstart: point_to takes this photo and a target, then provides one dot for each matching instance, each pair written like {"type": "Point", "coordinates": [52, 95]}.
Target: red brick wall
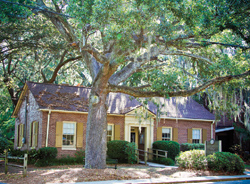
{"type": "Point", "coordinates": [79, 118]}
{"type": "Point", "coordinates": [118, 120]}
{"type": "Point", "coordinates": [183, 126]}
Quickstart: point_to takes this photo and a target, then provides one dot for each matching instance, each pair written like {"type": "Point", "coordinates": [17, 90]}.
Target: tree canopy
{"type": "Point", "coordinates": [142, 48]}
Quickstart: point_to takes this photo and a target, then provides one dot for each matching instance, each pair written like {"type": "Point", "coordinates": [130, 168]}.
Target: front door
{"type": "Point", "coordinates": [141, 142]}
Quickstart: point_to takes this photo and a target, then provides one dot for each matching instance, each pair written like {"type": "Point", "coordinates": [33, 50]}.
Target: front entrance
{"type": "Point", "coordinates": [139, 138]}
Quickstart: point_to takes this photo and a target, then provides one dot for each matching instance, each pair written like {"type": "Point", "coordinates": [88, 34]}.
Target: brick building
{"type": "Point", "coordinates": [49, 115]}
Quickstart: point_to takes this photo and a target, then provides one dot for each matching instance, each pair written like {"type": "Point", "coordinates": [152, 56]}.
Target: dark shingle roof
{"type": "Point", "coordinates": [74, 98]}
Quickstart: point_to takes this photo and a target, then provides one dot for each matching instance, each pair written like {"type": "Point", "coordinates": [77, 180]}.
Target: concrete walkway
{"type": "Point", "coordinates": [174, 180]}
{"type": "Point", "coordinates": [151, 164]}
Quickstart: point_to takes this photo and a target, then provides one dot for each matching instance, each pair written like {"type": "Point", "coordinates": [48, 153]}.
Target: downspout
{"type": "Point", "coordinates": [25, 120]}
{"type": "Point", "coordinates": [212, 130]}
{"type": "Point", "coordinates": [47, 135]}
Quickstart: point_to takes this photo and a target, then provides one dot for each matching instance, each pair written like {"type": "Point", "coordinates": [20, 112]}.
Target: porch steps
{"type": "Point", "coordinates": [151, 164]}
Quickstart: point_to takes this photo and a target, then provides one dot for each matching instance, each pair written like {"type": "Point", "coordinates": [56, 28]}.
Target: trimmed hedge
{"type": "Point", "coordinates": [193, 159]}
{"type": "Point", "coordinates": [172, 147]}
{"type": "Point", "coordinates": [47, 153]}
{"type": "Point", "coordinates": [220, 161]}
{"type": "Point", "coordinates": [191, 146]}
{"type": "Point", "coordinates": [225, 161]}
{"type": "Point", "coordinates": [165, 161]}
{"type": "Point", "coordinates": [116, 150]}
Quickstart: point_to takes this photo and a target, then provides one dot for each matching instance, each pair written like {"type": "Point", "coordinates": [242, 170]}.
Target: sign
{"type": "Point", "coordinates": [212, 146]}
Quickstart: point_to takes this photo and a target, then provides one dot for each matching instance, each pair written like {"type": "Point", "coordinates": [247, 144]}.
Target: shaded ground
{"type": "Point", "coordinates": [76, 173]}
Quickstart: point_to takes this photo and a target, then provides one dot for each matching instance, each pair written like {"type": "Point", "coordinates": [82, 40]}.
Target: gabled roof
{"type": "Point", "coordinates": [74, 98]}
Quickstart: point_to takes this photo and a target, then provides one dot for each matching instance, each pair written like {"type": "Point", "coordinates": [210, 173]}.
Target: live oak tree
{"type": "Point", "coordinates": [148, 49]}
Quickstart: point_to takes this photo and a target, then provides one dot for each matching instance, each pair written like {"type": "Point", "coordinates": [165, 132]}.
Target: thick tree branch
{"type": "Point", "coordinates": [96, 54]}
{"type": "Point", "coordinates": [181, 53]}
{"type": "Point", "coordinates": [133, 91]}
{"type": "Point", "coordinates": [36, 8]}
{"type": "Point", "coordinates": [59, 66]}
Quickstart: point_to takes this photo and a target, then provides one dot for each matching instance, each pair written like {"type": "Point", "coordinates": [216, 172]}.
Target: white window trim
{"type": "Point", "coordinates": [65, 147]}
{"type": "Point", "coordinates": [113, 131]}
{"type": "Point", "coordinates": [200, 134]}
{"type": "Point", "coordinates": [171, 133]}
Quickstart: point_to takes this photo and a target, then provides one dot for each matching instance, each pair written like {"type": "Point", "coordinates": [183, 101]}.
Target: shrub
{"type": "Point", "coordinates": [172, 147]}
{"type": "Point", "coordinates": [165, 161]}
{"type": "Point", "coordinates": [4, 144]}
{"type": "Point", "coordinates": [116, 150]}
{"type": "Point", "coordinates": [47, 153]}
{"type": "Point", "coordinates": [225, 161]}
{"type": "Point", "coordinates": [190, 146]}
{"type": "Point", "coordinates": [193, 159]}
{"type": "Point", "coordinates": [80, 154]}
{"type": "Point", "coordinates": [130, 151]}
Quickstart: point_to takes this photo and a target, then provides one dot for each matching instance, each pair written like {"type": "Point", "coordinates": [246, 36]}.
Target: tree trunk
{"type": "Point", "coordinates": [96, 133]}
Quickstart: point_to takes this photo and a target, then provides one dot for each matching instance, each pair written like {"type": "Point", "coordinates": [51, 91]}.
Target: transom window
{"type": "Point", "coordinates": [110, 133]}
{"type": "Point", "coordinates": [166, 134]}
{"type": "Point", "coordinates": [196, 135]}
{"type": "Point", "coordinates": [69, 134]}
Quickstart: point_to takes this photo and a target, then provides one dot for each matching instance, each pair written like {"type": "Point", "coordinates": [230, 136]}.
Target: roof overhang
{"type": "Point", "coordinates": [75, 112]}
{"type": "Point", "coordinates": [20, 101]}
{"type": "Point", "coordinates": [189, 119]}
{"type": "Point", "coordinates": [224, 129]}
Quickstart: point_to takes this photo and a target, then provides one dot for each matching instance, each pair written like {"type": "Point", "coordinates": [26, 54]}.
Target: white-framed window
{"type": "Point", "coordinates": [69, 135]}
{"type": "Point", "coordinates": [196, 135]}
{"type": "Point", "coordinates": [110, 132]}
{"type": "Point", "coordinates": [166, 133]}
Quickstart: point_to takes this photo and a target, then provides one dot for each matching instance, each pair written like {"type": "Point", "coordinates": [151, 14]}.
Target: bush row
{"type": "Point", "coordinates": [124, 151]}
{"type": "Point", "coordinates": [220, 161]}
{"type": "Point", "coordinates": [190, 146]}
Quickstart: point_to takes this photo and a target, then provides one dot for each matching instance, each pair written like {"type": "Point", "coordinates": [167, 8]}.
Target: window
{"type": "Point", "coordinates": [110, 133]}
{"type": "Point", "coordinates": [69, 134]}
{"type": "Point", "coordinates": [33, 134]}
{"type": "Point", "coordinates": [20, 135]}
{"type": "Point", "coordinates": [196, 135]}
{"type": "Point", "coordinates": [166, 134]}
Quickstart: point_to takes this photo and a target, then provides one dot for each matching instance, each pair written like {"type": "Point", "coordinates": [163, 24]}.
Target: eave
{"type": "Point", "coordinates": [20, 101]}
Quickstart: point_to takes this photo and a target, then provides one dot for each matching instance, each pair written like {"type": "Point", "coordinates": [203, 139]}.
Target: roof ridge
{"type": "Point", "coordinates": [58, 85]}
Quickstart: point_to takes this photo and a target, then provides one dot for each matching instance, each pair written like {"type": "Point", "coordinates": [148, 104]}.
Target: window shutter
{"type": "Point", "coordinates": [59, 129]}
{"type": "Point", "coordinates": [204, 135]}
{"type": "Point", "coordinates": [189, 135]}
{"type": "Point", "coordinates": [175, 134]}
{"type": "Point", "coordinates": [30, 135]}
{"type": "Point", "coordinates": [159, 133]}
{"type": "Point", "coordinates": [117, 132]}
{"type": "Point", "coordinates": [79, 135]}
{"type": "Point", "coordinates": [35, 134]}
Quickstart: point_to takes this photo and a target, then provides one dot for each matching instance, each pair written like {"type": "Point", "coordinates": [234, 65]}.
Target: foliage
{"type": "Point", "coordinates": [80, 154]}
{"type": "Point", "coordinates": [191, 146]}
{"type": "Point", "coordinates": [225, 161]}
{"type": "Point", "coordinates": [116, 150]}
{"type": "Point", "coordinates": [172, 147]}
{"type": "Point", "coordinates": [4, 144]}
{"type": "Point", "coordinates": [194, 159]}
{"type": "Point", "coordinates": [165, 161]}
{"type": "Point", "coordinates": [130, 151]}
{"type": "Point", "coordinates": [47, 153]}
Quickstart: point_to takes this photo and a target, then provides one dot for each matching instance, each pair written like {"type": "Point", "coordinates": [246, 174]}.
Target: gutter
{"type": "Point", "coordinates": [47, 134]}
{"type": "Point", "coordinates": [212, 130]}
